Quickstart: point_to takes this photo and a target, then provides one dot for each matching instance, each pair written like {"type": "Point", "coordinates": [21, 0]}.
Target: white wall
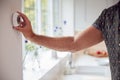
{"type": "Point", "coordinates": [87, 11]}
{"type": "Point", "coordinates": [10, 42]}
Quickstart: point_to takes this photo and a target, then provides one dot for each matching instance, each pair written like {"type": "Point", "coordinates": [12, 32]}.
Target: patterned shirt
{"type": "Point", "coordinates": [109, 24]}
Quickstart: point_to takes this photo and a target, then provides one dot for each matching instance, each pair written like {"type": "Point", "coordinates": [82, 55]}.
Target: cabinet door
{"type": "Point", "coordinates": [79, 15]}
{"type": "Point", "coordinates": [87, 11]}
{"type": "Point", "coordinates": [94, 9]}
{"type": "Point", "coordinates": [68, 17]}
{"type": "Point", "coordinates": [10, 42]}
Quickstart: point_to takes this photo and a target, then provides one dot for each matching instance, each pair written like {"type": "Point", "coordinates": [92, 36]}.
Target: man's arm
{"type": "Point", "coordinates": [89, 37]}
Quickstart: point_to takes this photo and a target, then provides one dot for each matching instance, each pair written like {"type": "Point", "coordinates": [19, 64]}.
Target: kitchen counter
{"type": "Point", "coordinates": [89, 68]}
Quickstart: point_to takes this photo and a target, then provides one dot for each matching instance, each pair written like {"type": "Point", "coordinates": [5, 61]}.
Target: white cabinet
{"type": "Point", "coordinates": [87, 11]}
{"type": "Point", "coordinates": [10, 42]}
{"type": "Point", "coordinates": [93, 10]}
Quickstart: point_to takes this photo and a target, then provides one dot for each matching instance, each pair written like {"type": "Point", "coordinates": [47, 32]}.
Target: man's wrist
{"type": "Point", "coordinates": [31, 36]}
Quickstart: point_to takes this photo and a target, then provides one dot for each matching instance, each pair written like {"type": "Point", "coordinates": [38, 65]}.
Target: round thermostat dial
{"type": "Point", "coordinates": [16, 19]}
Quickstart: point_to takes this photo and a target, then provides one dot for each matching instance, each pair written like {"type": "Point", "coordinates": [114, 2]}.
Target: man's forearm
{"type": "Point", "coordinates": [56, 43]}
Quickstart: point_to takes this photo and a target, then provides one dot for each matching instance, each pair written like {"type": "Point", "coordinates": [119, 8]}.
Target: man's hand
{"type": "Point", "coordinates": [24, 26]}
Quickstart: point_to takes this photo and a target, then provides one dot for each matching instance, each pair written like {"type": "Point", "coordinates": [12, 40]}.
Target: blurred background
{"type": "Point", "coordinates": [21, 59]}
{"type": "Point", "coordinates": [66, 18]}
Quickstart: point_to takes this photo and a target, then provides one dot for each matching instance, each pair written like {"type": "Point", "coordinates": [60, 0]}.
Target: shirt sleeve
{"type": "Point", "coordinates": [100, 22]}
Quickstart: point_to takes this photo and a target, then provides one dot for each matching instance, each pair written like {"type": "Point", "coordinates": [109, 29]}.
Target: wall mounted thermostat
{"type": "Point", "coordinates": [16, 19]}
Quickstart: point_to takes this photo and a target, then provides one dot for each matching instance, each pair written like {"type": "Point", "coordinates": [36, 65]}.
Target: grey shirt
{"type": "Point", "coordinates": [109, 24]}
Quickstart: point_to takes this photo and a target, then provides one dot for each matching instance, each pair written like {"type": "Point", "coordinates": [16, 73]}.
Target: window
{"type": "Point", "coordinates": [45, 19]}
